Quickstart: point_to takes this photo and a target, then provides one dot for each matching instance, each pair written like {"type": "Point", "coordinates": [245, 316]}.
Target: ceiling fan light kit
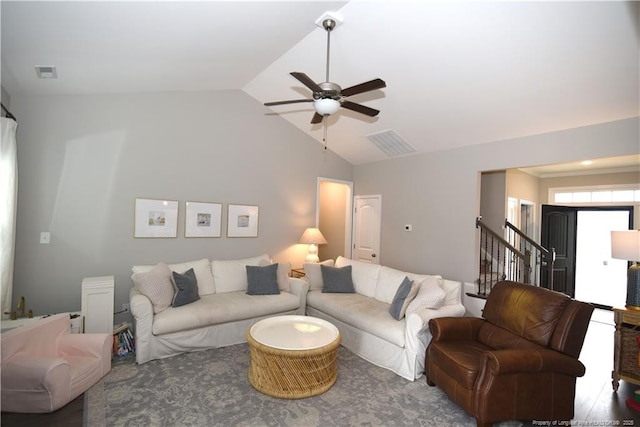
{"type": "Point", "coordinates": [328, 97]}
{"type": "Point", "coordinates": [326, 106]}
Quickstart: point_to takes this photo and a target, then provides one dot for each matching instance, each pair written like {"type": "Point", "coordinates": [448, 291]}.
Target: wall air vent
{"type": "Point", "coordinates": [390, 143]}
{"type": "Point", "coordinates": [46, 72]}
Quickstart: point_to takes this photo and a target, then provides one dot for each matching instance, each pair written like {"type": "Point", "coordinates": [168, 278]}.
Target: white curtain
{"type": "Point", "coordinates": [8, 198]}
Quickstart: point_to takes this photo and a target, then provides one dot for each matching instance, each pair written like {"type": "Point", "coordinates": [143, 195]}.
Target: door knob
{"type": "Point", "coordinates": [373, 255]}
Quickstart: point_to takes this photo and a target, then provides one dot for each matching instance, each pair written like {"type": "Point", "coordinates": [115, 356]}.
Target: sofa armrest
{"type": "Point", "coordinates": [426, 314]}
{"type": "Point", "coordinates": [25, 372]}
{"type": "Point", "coordinates": [142, 312]}
{"type": "Point", "coordinates": [455, 328]}
{"type": "Point", "coordinates": [300, 288]}
{"type": "Point", "coordinates": [518, 361]}
{"type": "Point", "coordinates": [417, 325]}
{"type": "Point", "coordinates": [88, 345]}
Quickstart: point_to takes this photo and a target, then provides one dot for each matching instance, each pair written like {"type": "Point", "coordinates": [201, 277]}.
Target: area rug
{"type": "Point", "coordinates": [210, 388]}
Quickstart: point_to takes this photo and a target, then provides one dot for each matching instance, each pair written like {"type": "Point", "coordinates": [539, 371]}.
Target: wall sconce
{"type": "Point", "coordinates": [312, 237]}
{"type": "Point", "coordinates": [626, 245]}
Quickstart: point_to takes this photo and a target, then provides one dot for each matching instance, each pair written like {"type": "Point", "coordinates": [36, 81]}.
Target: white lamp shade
{"type": "Point", "coordinates": [625, 245]}
{"type": "Point", "coordinates": [312, 236]}
{"type": "Point", "coordinates": [326, 106]}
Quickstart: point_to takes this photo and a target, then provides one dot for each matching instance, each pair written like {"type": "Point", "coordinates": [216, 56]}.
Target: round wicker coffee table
{"type": "Point", "coordinates": [293, 357]}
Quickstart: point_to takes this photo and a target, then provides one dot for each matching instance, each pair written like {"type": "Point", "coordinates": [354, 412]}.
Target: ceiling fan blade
{"type": "Point", "coordinates": [317, 118]}
{"type": "Point", "coordinates": [293, 101]}
{"type": "Point", "coordinates": [359, 108]}
{"type": "Point", "coordinates": [306, 80]}
{"type": "Point", "coordinates": [364, 87]}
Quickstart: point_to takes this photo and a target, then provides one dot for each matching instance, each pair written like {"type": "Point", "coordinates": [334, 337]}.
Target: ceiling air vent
{"type": "Point", "coordinates": [390, 143]}
{"type": "Point", "coordinates": [46, 72]}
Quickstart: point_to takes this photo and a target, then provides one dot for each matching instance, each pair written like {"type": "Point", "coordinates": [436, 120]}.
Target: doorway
{"type": "Point", "coordinates": [600, 279]}
{"type": "Point", "coordinates": [583, 267]}
{"type": "Point", "coordinates": [334, 218]}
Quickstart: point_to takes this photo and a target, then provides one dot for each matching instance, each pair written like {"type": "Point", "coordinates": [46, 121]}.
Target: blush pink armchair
{"type": "Point", "coordinates": [45, 366]}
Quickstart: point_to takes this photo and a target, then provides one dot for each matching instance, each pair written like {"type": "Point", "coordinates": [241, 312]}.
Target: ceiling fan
{"type": "Point", "coordinates": [328, 97]}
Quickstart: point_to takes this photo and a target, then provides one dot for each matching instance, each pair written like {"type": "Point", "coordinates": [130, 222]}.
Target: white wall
{"type": "Point", "coordinates": [438, 192]}
{"type": "Point", "coordinates": [83, 160]}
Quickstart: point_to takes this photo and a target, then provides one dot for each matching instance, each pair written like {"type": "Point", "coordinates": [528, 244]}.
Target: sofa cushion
{"type": "Point", "coordinates": [220, 308]}
{"type": "Point", "coordinates": [430, 295]}
{"type": "Point", "coordinates": [526, 311]}
{"type": "Point", "coordinates": [201, 268]}
{"type": "Point", "coordinates": [156, 285]}
{"type": "Point", "coordinates": [262, 280]}
{"type": "Point", "coordinates": [231, 275]}
{"type": "Point", "coordinates": [284, 268]}
{"type": "Point", "coordinates": [364, 274]}
{"type": "Point", "coordinates": [313, 274]}
{"type": "Point", "coordinates": [361, 312]}
{"type": "Point", "coordinates": [186, 286]}
{"type": "Point", "coordinates": [389, 281]}
{"type": "Point", "coordinates": [337, 280]}
{"type": "Point", "coordinates": [405, 294]}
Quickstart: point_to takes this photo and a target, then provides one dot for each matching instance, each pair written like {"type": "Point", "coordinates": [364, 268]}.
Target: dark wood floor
{"type": "Point", "coordinates": [596, 404]}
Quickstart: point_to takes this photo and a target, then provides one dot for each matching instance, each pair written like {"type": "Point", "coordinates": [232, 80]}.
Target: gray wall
{"type": "Point", "coordinates": [83, 160]}
{"type": "Point", "coordinates": [439, 192]}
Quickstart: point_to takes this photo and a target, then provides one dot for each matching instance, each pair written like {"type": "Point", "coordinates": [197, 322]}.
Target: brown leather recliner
{"type": "Point", "coordinates": [518, 362]}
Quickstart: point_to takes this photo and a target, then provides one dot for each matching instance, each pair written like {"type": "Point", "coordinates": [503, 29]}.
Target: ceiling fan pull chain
{"type": "Point", "coordinates": [324, 138]}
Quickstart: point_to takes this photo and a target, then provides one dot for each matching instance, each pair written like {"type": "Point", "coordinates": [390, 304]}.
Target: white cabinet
{"type": "Point", "coordinates": [97, 304]}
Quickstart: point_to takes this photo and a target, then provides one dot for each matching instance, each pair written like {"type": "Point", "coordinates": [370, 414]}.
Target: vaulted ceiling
{"type": "Point", "coordinates": [458, 72]}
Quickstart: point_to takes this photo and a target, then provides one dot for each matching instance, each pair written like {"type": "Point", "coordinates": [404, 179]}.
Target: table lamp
{"type": "Point", "coordinates": [312, 237]}
{"type": "Point", "coordinates": [626, 245]}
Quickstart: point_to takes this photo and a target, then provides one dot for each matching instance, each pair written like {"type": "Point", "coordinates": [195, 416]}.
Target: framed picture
{"type": "Point", "coordinates": [242, 221]}
{"type": "Point", "coordinates": [155, 218]}
{"type": "Point", "coordinates": [202, 219]}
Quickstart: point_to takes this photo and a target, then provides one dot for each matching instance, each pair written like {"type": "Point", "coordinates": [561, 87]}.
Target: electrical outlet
{"type": "Point", "coordinates": [125, 306]}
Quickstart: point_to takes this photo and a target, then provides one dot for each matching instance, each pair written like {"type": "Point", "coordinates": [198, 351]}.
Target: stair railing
{"type": "Point", "coordinates": [501, 260]}
{"type": "Point", "coordinates": [542, 257]}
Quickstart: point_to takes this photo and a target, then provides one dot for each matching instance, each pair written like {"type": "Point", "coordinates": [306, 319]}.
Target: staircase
{"type": "Point", "coordinates": [516, 257]}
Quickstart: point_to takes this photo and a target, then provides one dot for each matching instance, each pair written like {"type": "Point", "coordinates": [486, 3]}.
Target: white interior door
{"type": "Point", "coordinates": [366, 230]}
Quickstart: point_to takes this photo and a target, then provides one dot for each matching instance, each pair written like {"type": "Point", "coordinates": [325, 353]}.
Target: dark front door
{"type": "Point", "coordinates": [559, 232]}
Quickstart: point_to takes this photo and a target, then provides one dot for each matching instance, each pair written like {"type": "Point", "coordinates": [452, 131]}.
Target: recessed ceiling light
{"type": "Point", "coordinates": [587, 162]}
{"type": "Point", "coordinates": [46, 71]}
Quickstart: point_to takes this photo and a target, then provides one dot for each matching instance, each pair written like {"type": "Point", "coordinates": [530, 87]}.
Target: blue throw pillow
{"type": "Point", "coordinates": [187, 288]}
{"type": "Point", "coordinates": [262, 280]}
{"type": "Point", "coordinates": [337, 280]}
{"type": "Point", "coordinates": [404, 295]}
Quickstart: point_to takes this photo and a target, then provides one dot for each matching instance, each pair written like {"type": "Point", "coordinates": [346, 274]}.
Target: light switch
{"type": "Point", "coordinates": [45, 238]}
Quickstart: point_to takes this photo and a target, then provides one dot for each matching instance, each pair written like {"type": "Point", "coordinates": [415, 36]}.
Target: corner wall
{"type": "Point", "coordinates": [439, 192]}
{"type": "Point", "coordinates": [83, 160]}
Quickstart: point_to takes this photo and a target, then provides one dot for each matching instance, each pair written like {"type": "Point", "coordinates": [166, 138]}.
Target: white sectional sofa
{"type": "Point", "coordinates": [219, 317]}
{"type": "Point", "coordinates": [364, 320]}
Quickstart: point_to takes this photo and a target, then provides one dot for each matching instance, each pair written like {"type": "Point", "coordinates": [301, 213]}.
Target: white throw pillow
{"type": "Point", "coordinates": [388, 283]}
{"type": "Point", "coordinates": [200, 267]}
{"type": "Point", "coordinates": [156, 285]}
{"type": "Point", "coordinates": [364, 275]}
{"type": "Point", "coordinates": [430, 295]}
{"type": "Point", "coordinates": [231, 275]}
{"type": "Point", "coordinates": [313, 273]}
{"type": "Point", "coordinates": [284, 269]}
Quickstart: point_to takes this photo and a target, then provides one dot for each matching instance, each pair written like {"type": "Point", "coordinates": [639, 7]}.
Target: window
{"type": "Point", "coordinates": [596, 195]}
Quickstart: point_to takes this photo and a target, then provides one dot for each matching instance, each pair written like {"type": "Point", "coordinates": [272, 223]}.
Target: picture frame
{"type": "Point", "coordinates": [155, 218]}
{"type": "Point", "coordinates": [242, 221]}
{"type": "Point", "coordinates": [202, 219]}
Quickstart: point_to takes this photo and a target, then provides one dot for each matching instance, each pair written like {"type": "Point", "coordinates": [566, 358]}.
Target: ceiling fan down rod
{"type": "Point", "coordinates": [328, 24]}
